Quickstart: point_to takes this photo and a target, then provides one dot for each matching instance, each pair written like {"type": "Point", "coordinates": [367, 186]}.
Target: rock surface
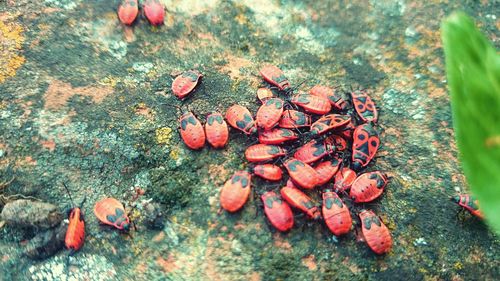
{"type": "Point", "coordinates": [87, 100]}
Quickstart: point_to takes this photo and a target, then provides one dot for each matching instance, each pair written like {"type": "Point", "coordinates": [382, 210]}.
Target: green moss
{"type": "Point", "coordinates": [277, 265]}
{"type": "Point", "coordinates": [172, 188]}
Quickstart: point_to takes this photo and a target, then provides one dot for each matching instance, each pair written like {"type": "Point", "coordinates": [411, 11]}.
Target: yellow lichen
{"type": "Point", "coordinates": [3, 105]}
{"type": "Point", "coordinates": [11, 41]}
{"type": "Point", "coordinates": [174, 154]}
{"type": "Point", "coordinates": [134, 215]}
{"type": "Point", "coordinates": [241, 19]}
{"type": "Point", "coordinates": [109, 81]}
{"type": "Point", "coordinates": [163, 135]}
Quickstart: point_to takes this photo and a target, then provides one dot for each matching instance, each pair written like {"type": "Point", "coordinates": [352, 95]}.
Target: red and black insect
{"type": "Point", "coordinates": [234, 194]}
{"type": "Point", "coordinates": [339, 142]}
{"type": "Point", "coordinates": [277, 136]}
{"type": "Point", "coordinates": [329, 122]}
{"type": "Point", "coordinates": [375, 233]}
{"type": "Point", "coordinates": [128, 11]}
{"type": "Point", "coordinates": [344, 179]}
{"type": "Point", "coordinates": [313, 104]}
{"type": "Point", "coordinates": [264, 94]}
{"type": "Point", "coordinates": [313, 151]}
{"type": "Point", "coordinates": [293, 119]}
{"type": "Point", "coordinates": [216, 130]}
{"type": "Point", "coordinates": [154, 11]}
{"type": "Point", "coordinates": [336, 100]}
{"type": "Point", "coordinates": [75, 234]}
{"type": "Point", "coordinates": [364, 106]}
{"type": "Point", "coordinates": [335, 213]}
{"type": "Point", "coordinates": [347, 131]}
{"type": "Point", "coordinates": [300, 200]}
{"type": "Point", "coordinates": [274, 76]}
{"type": "Point", "coordinates": [263, 152]}
{"type": "Point", "coordinates": [327, 169]}
{"type": "Point", "coordinates": [469, 203]}
{"type": "Point", "coordinates": [365, 145]}
{"type": "Point", "coordinates": [269, 114]}
{"type": "Point", "coordinates": [368, 187]}
{"type": "Point", "coordinates": [239, 117]}
{"type": "Point", "coordinates": [269, 172]}
{"type": "Point", "coordinates": [301, 173]}
{"type": "Point", "coordinates": [185, 83]}
{"type": "Point", "coordinates": [111, 212]}
{"type": "Point", "coordinates": [277, 211]}
{"type": "Point", "coordinates": [192, 132]}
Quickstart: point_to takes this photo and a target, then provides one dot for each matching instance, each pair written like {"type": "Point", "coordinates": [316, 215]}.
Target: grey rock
{"type": "Point", "coordinates": [154, 216]}
{"type": "Point", "coordinates": [26, 213]}
{"type": "Point", "coordinates": [47, 243]}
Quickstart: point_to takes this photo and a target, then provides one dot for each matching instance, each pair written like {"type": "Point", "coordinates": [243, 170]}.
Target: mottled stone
{"type": "Point", "coordinates": [154, 215]}
{"type": "Point", "coordinates": [115, 129]}
{"type": "Point", "coordinates": [26, 213]}
{"type": "Point", "coordinates": [47, 243]}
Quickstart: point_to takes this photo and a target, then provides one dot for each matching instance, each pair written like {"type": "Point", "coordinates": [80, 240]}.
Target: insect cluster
{"type": "Point", "coordinates": [312, 141]}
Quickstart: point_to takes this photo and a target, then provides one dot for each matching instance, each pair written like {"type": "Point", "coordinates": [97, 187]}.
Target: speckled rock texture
{"type": "Point", "coordinates": [27, 213]}
{"type": "Point", "coordinates": [87, 101]}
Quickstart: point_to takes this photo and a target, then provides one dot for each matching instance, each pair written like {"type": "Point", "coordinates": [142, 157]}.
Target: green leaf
{"type": "Point", "coordinates": [473, 70]}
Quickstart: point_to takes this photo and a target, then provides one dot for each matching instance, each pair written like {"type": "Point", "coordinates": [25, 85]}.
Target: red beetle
{"type": "Point", "coordinates": [264, 94]}
{"type": "Point", "coordinates": [368, 187]}
{"type": "Point", "coordinates": [239, 117]}
{"type": "Point", "coordinates": [293, 119]}
{"type": "Point", "coordinates": [277, 211]}
{"type": "Point", "coordinates": [300, 200]}
{"type": "Point", "coordinates": [263, 152]}
{"type": "Point", "coordinates": [128, 11]}
{"type": "Point", "coordinates": [111, 212]}
{"type": "Point", "coordinates": [339, 142]}
{"type": "Point", "coordinates": [335, 213]}
{"type": "Point", "coordinates": [469, 203]}
{"type": "Point", "coordinates": [268, 171]}
{"type": "Point", "coordinates": [364, 106]}
{"type": "Point", "coordinates": [269, 114]}
{"type": "Point", "coordinates": [344, 179]}
{"type": "Point", "coordinates": [326, 170]}
{"type": "Point", "coordinates": [75, 234]}
{"type": "Point", "coordinates": [216, 130]}
{"type": "Point", "coordinates": [375, 233]}
{"type": "Point", "coordinates": [185, 83]}
{"type": "Point", "coordinates": [313, 104]}
{"type": "Point", "coordinates": [313, 151]}
{"type": "Point", "coordinates": [277, 136]}
{"type": "Point", "coordinates": [365, 145]}
{"type": "Point", "coordinates": [235, 192]}
{"type": "Point", "coordinates": [335, 99]}
{"type": "Point", "coordinates": [274, 76]}
{"type": "Point", "coordinates": [329, 122]}
{"type": "Point", "coordinates": [192, 132]}
{"type": "Point", "coordinates": [301, 173]}
{"type": "Point", "coordinates": [154, 11]}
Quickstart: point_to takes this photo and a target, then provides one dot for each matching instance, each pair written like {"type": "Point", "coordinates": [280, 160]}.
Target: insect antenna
{"type": "Point", "coordinates": [280, 159]}
{"type": "Point", "coordinates": [83, 201]}
{"type": "Point", "coordinates": [69, 193]}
